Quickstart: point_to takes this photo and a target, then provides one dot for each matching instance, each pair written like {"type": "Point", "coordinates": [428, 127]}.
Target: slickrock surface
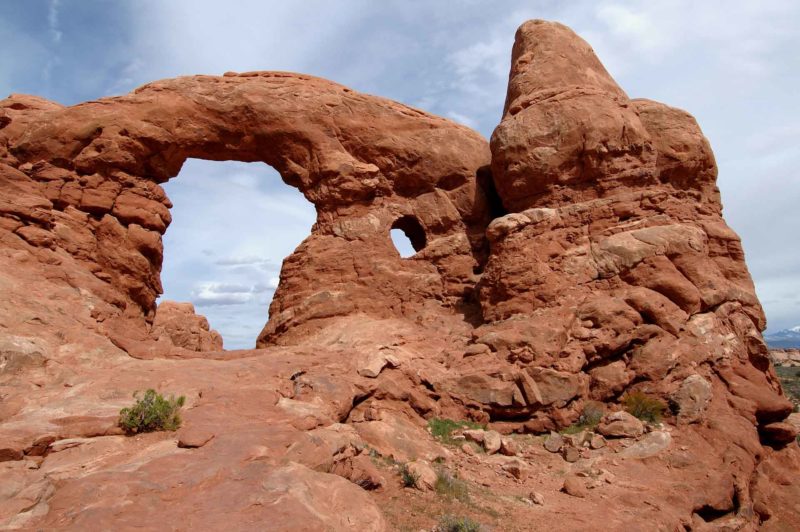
{"type": "Point", "coordinates": [580, 258]}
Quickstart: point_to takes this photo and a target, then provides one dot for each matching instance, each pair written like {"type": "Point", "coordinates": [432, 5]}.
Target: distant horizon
{"type": "Point", "coordinates": [736, 74]}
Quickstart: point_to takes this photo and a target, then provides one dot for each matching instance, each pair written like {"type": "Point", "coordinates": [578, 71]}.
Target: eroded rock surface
{"type": "Point", "coordinates": [179, 324]}
{"type": "Point", "coordinates": [580, 257]}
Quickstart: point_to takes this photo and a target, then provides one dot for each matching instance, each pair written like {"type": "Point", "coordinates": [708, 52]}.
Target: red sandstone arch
{"type": "Point", "coordinates": [362, 161]}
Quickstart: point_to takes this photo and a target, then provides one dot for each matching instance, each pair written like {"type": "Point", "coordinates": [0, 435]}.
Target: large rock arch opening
{"type": "Point", "coordinates": [232, 225]}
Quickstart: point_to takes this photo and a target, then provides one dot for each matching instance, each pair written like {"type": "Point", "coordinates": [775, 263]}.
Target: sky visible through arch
{"type": "Point", "coordinates": [233, 223]}
{"type": "Point", "coordinates": [733, 64]}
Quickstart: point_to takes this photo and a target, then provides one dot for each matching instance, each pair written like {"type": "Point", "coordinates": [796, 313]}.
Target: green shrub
{"type": "Point", "coordinates": [409, 478]}
{"type": "Point", "coordinates": [450, 486]}
{"type": "Point", "coordinates": [442, 429]}
{"type": "Point", "coordinates": [449, 523]}
{"type": "Point", "coordinates": [644, 407]}
{"type": "Point", "coordinates": [151, 413]}
{"type": "Point", "coordinates": [592, 414]}
{"type": "Point", "coordinates": [590, 417]}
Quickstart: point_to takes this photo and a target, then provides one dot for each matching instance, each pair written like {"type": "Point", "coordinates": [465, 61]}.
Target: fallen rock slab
{"type": "Point", "coordinates": [492, 441]}
{"type": "Point", "coordinates": [651, 445]}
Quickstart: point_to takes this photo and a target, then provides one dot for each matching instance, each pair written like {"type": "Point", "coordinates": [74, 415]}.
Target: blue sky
{"type": "Point", "coordinates": [733, 64]}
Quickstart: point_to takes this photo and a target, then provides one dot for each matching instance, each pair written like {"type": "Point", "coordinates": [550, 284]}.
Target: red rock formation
{"type": "Point", "coordinates": [95, 169]}
{"type": "Point", "coordinates": [785, 357]}
{"type": "Point", "coordinates": [615, 265]}
{"type": "Point", "coordinates": [612, 272]}
{"type": "Point", "coordinates": [178, 324]}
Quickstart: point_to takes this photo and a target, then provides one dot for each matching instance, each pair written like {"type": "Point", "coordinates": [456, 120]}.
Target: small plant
{"type": "Point", "coordinates": [592, 414]}
{"type": "Point", "coordinates": [450, 523]}
{"type": "Point", "coordinates": [442, 429]}
{"type": "Point", "coordinates": [450, 486]}
{"type": "Point", "coordinates": [644, 407]}
{"type": "Point", "coordinates": [151, 413]}
{"type": "Point", "coordinates": [590, 417]}
{"type": "Point", "coordinates": [408, 477]}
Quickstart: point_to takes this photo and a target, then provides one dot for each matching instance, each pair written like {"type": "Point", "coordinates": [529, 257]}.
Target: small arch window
{"type": "Point", "coordinates": [408, 236]}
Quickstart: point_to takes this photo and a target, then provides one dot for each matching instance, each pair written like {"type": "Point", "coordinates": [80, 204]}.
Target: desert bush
{"type": "Point", "coordinates": [590, 417]}
{"type": "Point", "coordinates": [450, 523]}
{"type": "Point", "coordinates": [151, 413]}
{"type": "Point", "coordinates": [442, 429]}
{"type": "Point", "coordinates": [644, 407]}
{"type": "Point", "coordinates": [450, 486]}
{"type": "Point", "coordinates": [591, 414]}
{"type": "Point", "coordinates": [408, 478]}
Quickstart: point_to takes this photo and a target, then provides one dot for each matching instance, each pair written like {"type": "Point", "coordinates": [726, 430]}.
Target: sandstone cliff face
{"type": "Point", "coordinates": [612, 271]}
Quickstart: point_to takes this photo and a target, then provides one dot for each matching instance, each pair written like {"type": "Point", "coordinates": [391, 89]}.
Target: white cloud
{"type": "Point", "coordinates": [208, 293]}
{"type": "Point", "coordinates": [262, 263]}
{"type": "Point", "coordinates": [214, 293]}
{"type": "Point", "coordinates": [195, 36]}
{"type": "Point", "coordinates": [52, 21]}
{"type": "Point", "coordinates": [628, 24]}
{"type": "Point", "coordinates": [462, 119]}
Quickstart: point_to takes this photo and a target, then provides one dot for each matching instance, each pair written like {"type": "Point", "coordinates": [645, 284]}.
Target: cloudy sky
{"type": "Point", "coordinates": [735, 65]}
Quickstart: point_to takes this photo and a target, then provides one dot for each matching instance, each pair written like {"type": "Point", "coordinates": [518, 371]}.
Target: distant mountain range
{"type": "Point", "coordinates": [785, 338]}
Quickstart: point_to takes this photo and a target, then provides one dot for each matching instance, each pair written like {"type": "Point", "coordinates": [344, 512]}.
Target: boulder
{"type": "Point", "coordinates": [517, 469]}
{"type": "Point", "coordinates": [475, 435]}
{"type": "Point", "coordinates": [692, 399]}
{"type": "Point", "coordinates": [373, 365]}
{"type": "Point", "coordinates": [492, 441]}
{"type": "Point", "coordinates": [508, 446]}
{"type": "Point", "coordinates": [575, 486]}
{"type": "Point", "coordinates": [779, 433]}
{"type": "Point", "coordinates": [424, 473]}
{"type": "Point", "coordinates": [555, 387]}
{"type": "Point", "coordinates": [554, 442]}
{"type": "Point", "coordinates": [571, 454]}
{"type": "Point", "coordinates": [794, 419]}
{"type": "Point", "coordinates": [651, 445]}
{"type": "Point", "coordinates": [179, 324]}
{"type": "Point", "coordinates": [620, 425]}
